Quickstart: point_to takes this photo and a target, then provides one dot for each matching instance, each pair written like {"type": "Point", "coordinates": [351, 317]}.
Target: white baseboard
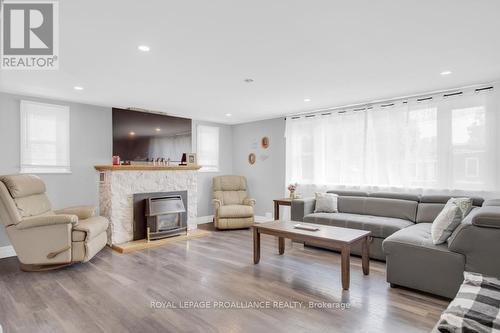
{"type": "Point", "coordinates": [7, 251]}
{"type": "Point", "coordinates": [204, 219]}
{"type": "Point", "coordinates": [210, 218]}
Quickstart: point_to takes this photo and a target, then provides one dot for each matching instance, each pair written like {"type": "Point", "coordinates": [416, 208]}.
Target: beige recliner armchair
{"type": "Point", "coordinates": [233, 208]}
{"type": "Point", "coordinates": [42, 238]}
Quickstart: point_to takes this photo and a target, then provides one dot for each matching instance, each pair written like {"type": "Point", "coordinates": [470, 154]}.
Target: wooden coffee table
{"type": "Point", "coordinates": [338, 238]}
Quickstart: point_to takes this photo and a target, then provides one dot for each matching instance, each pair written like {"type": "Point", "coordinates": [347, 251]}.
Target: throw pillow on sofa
{"type": "Point", "coordinates": [444, 224]}
{"type": "Point", "coordinates": [465, 205]}
{"type": "Point", "coordinates": [326, 203]}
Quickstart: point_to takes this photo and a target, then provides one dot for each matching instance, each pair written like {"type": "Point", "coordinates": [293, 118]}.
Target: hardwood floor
{"type": "Point", "coordinates": [113, 292]}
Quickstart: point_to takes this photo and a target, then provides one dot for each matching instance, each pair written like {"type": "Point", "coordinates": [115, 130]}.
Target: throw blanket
{"type": "Point", "coordinates": [476, 308]}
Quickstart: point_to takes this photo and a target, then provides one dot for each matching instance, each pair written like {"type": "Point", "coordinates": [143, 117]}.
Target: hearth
{"type": "Point", "coordinates": [163, 215]}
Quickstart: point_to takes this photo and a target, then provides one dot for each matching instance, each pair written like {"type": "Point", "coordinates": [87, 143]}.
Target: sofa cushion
{"type": "Point", "coordinates": [431, 205]}
{"type": "Point", "coordinates": [381, 227]}
{"type": "Point", "coordinates": [235, 211]}
{"type": "Point", "coordinates": [384, 207]}
{"type": "Point", "coordinates": [391, 195]}
{"type": "Point", "coordinates": [428, 211]}
{"type": "Point", "coordinates": [89, 228]}
{"type": "Point", "coordinates": [349, 193]}
{"type": "Point", "coordinates": [417, 235]}
{"type": "Point", "coordinates": [442, 199]}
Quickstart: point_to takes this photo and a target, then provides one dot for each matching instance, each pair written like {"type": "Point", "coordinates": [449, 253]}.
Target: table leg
{"type": "Point", "coordinates": [276, 211]}
{"type": "Point", "coordinates": [365, 256]}
{"type": "Point", "coordinates": [256, 246]}
{"type": "Point", "coordinates": [345, 267]}
{"type": "Point", "coordinates": [281, 245]}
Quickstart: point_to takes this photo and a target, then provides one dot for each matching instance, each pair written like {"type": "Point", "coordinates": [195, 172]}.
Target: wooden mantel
{"type": "Point", "coordinates": [146, 167]}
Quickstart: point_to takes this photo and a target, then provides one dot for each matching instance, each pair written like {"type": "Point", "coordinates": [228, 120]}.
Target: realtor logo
{"type": "Point", "coordinates": [30, 33]}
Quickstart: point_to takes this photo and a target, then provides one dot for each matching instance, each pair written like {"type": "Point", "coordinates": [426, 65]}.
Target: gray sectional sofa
{"type": "Point", "coordinates": [401, 230]}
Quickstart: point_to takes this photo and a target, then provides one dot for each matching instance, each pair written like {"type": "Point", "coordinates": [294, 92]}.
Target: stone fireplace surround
{"type": "Point", "coordinates": [118, 184]}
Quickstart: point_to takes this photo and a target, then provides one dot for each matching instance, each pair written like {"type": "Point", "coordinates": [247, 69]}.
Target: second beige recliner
{"type": "Point", "coordinates": [233, 208]}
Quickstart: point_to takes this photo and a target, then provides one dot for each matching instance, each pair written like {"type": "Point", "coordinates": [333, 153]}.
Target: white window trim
{"type": "Point", "coordinates": [213, 169]}
{"type": "Point", "coordinates": [41, 169]}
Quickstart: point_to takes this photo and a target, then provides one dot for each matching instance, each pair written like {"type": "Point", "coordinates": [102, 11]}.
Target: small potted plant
{"type": "Point", "coordinates": [292, 188]}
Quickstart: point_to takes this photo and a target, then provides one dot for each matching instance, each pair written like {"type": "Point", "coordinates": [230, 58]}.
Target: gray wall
{"type": "Point", "coordinates": [266, 178]}
{"type": "Point", "coordinates": [225, 168]}
{"type": "Point", "coordinates": [91, 142]}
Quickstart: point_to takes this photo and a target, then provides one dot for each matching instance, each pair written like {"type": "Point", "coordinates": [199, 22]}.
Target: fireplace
{"type": "Point", "coordinates": [159, 214]}
{"type": "Point", "coordinates": [163, 216]}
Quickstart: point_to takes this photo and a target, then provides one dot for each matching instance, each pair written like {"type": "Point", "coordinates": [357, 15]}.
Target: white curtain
{"type": "Point", "coordinates": [442, 144]}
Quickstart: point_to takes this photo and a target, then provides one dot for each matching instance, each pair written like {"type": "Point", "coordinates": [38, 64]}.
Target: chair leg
{"type": "Point", "coordinates": [41, 268]}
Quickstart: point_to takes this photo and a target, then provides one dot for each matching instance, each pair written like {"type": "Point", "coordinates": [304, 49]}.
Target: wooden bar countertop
{"type": "Point", "coordinates": [146, 167]}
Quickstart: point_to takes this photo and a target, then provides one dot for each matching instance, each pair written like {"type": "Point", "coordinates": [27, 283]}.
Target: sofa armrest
{"type": "Point", "coordinates": [83, 212]}
{"type": "Point", "coordinates": [488, 217]}
{"type": "Point", "coordinates": [44, 220]}
{"type": "Point", "coordinates": [478, 239]}
{"type": "Point", "coordinates": [491, 202]}
{"type": "Point", "coordinates": [301, 208]}
{"type": "Point", "coordinates": [249, 202]}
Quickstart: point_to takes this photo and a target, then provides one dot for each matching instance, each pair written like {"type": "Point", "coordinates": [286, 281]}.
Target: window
{"type": "Point", "coordinates": [438, 143]}
{"type": "Point", "coordinates": [44, 138]}
{"type": "Point", "coordinates": [207, 143]}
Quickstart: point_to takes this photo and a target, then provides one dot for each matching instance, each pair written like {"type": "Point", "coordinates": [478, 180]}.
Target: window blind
{"type": "Point", "coordinates": [207, 144]}
{"type": "Point", "coordinates": [44, 138]}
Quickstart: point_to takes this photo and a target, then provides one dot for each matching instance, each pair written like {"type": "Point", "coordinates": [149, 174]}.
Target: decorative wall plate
{"type": "Point", "coordinates": [264, 142]}
{"type": "Point", "coordinates": [251, 158]}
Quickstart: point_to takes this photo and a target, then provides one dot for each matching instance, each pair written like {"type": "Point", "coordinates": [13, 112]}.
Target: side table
{"type": "Point", "coordinates": [278, 203]}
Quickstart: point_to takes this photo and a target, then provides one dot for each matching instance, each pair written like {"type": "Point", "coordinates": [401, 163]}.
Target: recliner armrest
{"type": "Point", "coordinates": [83, 212]}
{"type": "Point", "coordinates": [217, 203]}
{"type": "Point", "coordinates": [487, 216]}
{"type": "Point", "coordinates": [249, 202]}
{"type": "Point", "coordinates": [45, 220]}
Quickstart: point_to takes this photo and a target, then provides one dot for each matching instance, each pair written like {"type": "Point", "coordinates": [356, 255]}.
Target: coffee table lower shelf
{"type": "Point", "coordinates": [338, 238]}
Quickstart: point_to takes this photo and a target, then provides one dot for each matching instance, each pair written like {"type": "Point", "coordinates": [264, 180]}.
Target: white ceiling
{"type": "Point", "coordinates": [333, 52]}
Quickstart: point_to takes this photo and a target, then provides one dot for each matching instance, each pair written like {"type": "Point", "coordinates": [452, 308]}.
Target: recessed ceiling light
{"type": "Point", "coordinates": [229, 114]}
{"type": "Point", "coordinates": [445, 73]}
{"type": "Point", "coordinates": [132, 133]}
{"type": "Point", "coordinates": [307, 99]}
{"type": "Point", "coordinates": [78, 88]}
{"type": "Point", "coordinates": [248, 80]}
{"type": "Point", "coordinates": [143, 48]}
{"type": "Point", "coordinates": [158, 129]}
